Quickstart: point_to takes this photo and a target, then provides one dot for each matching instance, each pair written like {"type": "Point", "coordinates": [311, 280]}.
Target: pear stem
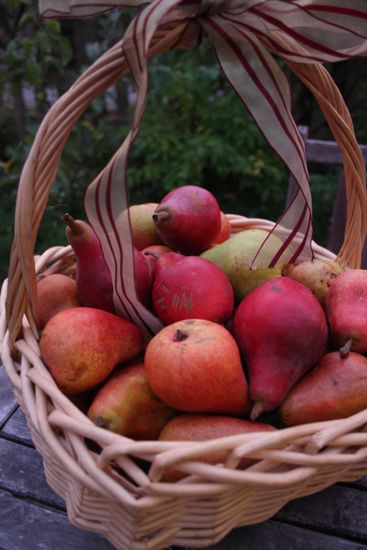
{"type": "Point", "coordinates": [179, 336]}
{"type": "Point", "coordinates": [256, 410]}
{"type": "Point", "coordinates": [70, 222]}
{"type": "Point", "coordinates": [345, 349]}
{"type": "Point", "coordinates": [101, 422]}
{"type": "Point", "coordinates": [161, 216]}
{"type": "Point", "coordinates": [151, 253]}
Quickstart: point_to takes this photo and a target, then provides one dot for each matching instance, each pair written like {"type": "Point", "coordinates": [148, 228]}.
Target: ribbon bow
{"type": "Point", "coordinates": [246, 34]}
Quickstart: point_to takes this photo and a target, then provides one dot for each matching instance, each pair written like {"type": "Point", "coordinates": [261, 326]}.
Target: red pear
{"type": "Point", "coordinates": [191, 287]}
{"type": "Point", "coordinates": [153, 253]}
{"type": "Point", "coordinates": [156, 250]}
{"type": "Point", "coordinates": [346, 309]}
{"type": "Point", "coordinates": [93, 277]}
{"type": "Point", "coordinates": [188, 219]}
{"type": "Point", "coordinates": [336, 388]}
{"type": "Point", "coordinates": [282, 330]}
{"type": "Point", "coordinates": [202, 427]}
{"type": "Point", "coordinates": [144, 277]}
{"type": "Point", "coordinates": [195, 366]}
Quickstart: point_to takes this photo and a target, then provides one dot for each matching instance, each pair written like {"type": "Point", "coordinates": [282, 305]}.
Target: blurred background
{"type": "Point", "coordinates": [195, 129]}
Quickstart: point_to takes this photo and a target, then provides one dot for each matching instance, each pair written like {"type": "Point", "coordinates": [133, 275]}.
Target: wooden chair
{"type": "Point", "coordinates": [328, 152]}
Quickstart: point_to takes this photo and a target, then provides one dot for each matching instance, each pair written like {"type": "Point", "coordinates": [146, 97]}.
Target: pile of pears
{"type": "Point", "coordinates": [296, 334]}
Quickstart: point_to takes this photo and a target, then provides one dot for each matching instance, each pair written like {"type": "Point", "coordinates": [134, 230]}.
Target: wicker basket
{"type": "Point", "coordinates": [111, 484]}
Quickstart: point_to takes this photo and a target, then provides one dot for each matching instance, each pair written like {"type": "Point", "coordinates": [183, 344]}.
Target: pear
{"type": "Point", "coordinates": [346, 309]}
{"type": "Point", "coordinates": [81, 346]}
{"type": "Point", "coordinates": [156, 250]}
{"type": "Point", "coordinates": [55, 292]}
{"type": "Point", "coordinates": [143, 230]}
{"type": "Point", "coordinates": [316, 274]}
{"type": "Point", "coordinates": [282, 331]}
{"type": "Point", "coordinates": [202, 427]}
{"type": "Point", "coordinates": [336, 388]}
{"type": "Point", "coordinates": [93, 277]}
{"type": "Point", "coordinates": [188, 219]}
{"type": "Point", "coordinates": [144, 277]}
{"type": "Point", "coordinates": [195, 366]}
{"type": "Point", "coordinates": [125, 404]}
{"type": "Point", "coordinates": [180, 290]}
{"type": "Point", "coordinates": [255, 278]}
{"type": "Point", "coordinates": [243, 262]}
{"type": "Point", "coordinates": [152, 254]}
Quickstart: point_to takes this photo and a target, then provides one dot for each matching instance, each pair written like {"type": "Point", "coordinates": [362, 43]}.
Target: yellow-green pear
{"type": "Point", "coordinates": [143, 229]}
{"type": "Point", "coordinates": [244, 265]}
{"type": "Point", "coordinates": [317, 274]}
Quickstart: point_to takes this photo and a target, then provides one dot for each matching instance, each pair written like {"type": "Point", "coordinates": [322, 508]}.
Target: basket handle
{"type": "Point", "coordinates": [319, 82]}
{"type": "Point", "coordinates": [41, 166]}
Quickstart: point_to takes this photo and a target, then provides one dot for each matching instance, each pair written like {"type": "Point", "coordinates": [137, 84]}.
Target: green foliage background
{"type": "Point", "coordinates": [195, 129]}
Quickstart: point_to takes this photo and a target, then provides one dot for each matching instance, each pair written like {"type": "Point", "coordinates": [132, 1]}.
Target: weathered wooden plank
{"type": "Point", "coordinates": [274, 535]}
{"type": "Point", "coordinates": [21, 473]}
{"type": "Point", "coordinates": [327, 152]}
{"type": "Point", "coordinates": [338, 510]}
{"type": "Point", "coordinates": [26, 526]}
{"type": "Point", "coordinates": [16, 427]}
{"type": "Point", "coordinates": [7, 399]}
{"type": "Point", "coordinates": [359, 483]}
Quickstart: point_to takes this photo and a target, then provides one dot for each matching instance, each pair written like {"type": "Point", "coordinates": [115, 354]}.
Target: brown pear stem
{"type": "Point", "coordinates": [73, 224]}
{"type": "Point", "coordinates": [151, 253]}
{"type": "Point", "coordinates": [161, 216]}
{"type": "Point", "coordinates": [179, 336]}
{"type": "Point", "coordinates": [256, 410]}
{"type": "Point", "coordinates": [345, 349]}
{"type": "Point", "coordinates": [101, 422]}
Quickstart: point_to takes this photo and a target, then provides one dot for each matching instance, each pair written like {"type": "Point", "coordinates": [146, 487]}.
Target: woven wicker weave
{"type": "Point", "coordinates": [111, 484]}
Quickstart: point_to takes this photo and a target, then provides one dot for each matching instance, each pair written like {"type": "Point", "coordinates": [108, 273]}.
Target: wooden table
{"type": "Point", "coordinates": [33, 517]}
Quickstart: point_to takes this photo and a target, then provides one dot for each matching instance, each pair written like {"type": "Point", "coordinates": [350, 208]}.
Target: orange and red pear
{"type": "Point", "coordinates": [336, 388]}
{"type": "Point", "coordinates": [55, 292]}
{"type": "Point", "coordinates": [195, 366]}
{"type": "Point", "coordinates": [125, 404]}
{"type": "Point", "coordinates": [81, 346]}
{"type": "Point", "coordinates": [203, 427]}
